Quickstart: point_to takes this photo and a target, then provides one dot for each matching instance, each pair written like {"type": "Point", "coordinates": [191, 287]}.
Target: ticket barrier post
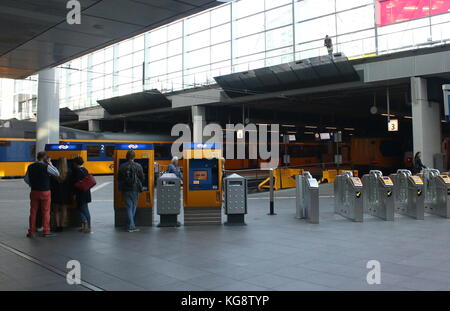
{"type": "Point", "coordinates": [68, 151]}
{"type": "Point", "coordinates": [348, 201]}
{"type": "Point", "coordinates": [235, 199]}
{"type": "Point", "coordinates": [409, 197]}
{"type": "Point", "coordinates": [202, 184]}
{"type": "Point", "coordinates": [144, 209]}
{"type": "Point", "coordinates": [437, 192]}
{"type": "Point", "coordinates": [378, 195]}
{"type": "Point", "coordinates": [307, 198]}
{"type": "Point", "coordinates": [168, 200]}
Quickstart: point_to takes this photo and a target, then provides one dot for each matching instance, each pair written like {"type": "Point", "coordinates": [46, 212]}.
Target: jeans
{"type": "Point", "coordinates": [42, 200]}
{"type": "Point", "coordinates": [84, 213]}
{"type": "Point", "coordinates": [131, 198]}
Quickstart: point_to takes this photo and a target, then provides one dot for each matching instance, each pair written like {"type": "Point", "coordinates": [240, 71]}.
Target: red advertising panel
{"type": "Point", "coordinates": [395, 11]}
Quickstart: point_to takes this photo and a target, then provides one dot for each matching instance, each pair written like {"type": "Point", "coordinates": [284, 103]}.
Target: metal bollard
{"type": "Point", "coordinates": [271, 200]}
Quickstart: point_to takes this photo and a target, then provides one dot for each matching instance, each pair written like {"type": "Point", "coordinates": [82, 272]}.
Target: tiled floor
{"type": "Point", "coordinates": [270, 253]}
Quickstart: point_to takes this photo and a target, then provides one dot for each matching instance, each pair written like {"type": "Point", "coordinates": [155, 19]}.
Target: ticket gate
{"type": "Point", "coordinates": [144, 211]}
{"type": "Point", "coordinates": [437, 192]}
{"type": "Point", "coordinates": [168, 200]}
{"type": "Point", "coordinates": [348, 201]}
{"type": "Point", "coordinates": [202, 183]}
{"type": "Point", "coordinates": [378, 198]}
{"type": "Point", "coordinates": [409, 197]}
{"type": "Point", "coordinates": [307, 198]}
{"type": "Point", "coordinates": [68, 151]}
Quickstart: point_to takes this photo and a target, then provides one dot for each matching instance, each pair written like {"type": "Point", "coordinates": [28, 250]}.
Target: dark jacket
{"type": "Point", "coordinates": [62, 192]}
{"type": "Point", "coordinates": [328, 43]}
{"type": "Point", "coordinates": [81, 196]}
{"type": "Point", "coordinates": [137, 175]}
{"type": "Point", "coordinates": [418, 165]}
{"type": "Point", "coordinates": [38, 176]}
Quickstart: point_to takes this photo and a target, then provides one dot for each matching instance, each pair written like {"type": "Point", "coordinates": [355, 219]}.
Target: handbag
{"type": "Point", "coordinates": [86, 183]}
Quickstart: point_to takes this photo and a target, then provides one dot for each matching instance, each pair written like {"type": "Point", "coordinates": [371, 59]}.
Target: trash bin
{"type": "Point", "coordinates": [168, 200]}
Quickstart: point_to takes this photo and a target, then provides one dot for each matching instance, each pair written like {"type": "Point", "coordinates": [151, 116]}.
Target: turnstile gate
{"type": "Point", "coordinates": [307, 198]}
{"type": "Point", "coordinates": [378, 195]}
{"type": "Point", "coordinates": [437, 191]}
{"type": "Point", "coordinates": [348, 200]}
{"type": "Point", "coordinates": [409, 197]}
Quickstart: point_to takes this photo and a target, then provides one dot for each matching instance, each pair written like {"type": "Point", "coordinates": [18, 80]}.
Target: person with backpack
{"type": "Point", "coordinates": [130, 180]}
{"type": "Point", "coordinates": [83, 196]}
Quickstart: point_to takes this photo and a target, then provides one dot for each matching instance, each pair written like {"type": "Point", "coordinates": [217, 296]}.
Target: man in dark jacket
{"type": "Point", "coordinates": [131, 178]}
{"type": "Point", "coordinates": [38, 178]}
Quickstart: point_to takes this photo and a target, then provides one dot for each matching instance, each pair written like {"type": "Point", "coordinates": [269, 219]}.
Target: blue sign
{"type": "Point", "coordinates": [200, 146]}
{"type": "Point", "coordinates": [67, 147]}
{"type": "Point", "coordinates": [134, 146]}
{"type": "Point", "coordinates": [446, 89]}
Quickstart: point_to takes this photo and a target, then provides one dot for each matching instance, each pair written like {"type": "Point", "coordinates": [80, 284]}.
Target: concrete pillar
{"type": "Point", "coordinates": [47, 125]}
{"type": "Point", "coordinates": [426, 122]}
{"type": "Point", "coordinates": [93, 125]}
{"type": "Point", "coordinates": [198, 123]}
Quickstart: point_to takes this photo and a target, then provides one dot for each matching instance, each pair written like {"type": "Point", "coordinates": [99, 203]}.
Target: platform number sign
{"type": "Point", "coordinates": [393, 125]}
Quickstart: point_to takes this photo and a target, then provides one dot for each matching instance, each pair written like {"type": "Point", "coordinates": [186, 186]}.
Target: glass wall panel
{"type": "Point", "coordinates": [280, 37]}
{"type": "Point", "coordinates": [221, 34]}
{"type": "Point", "coordinates": [308, 9]}
{"type": "Point", "coordinates": [197, 23]}
{"type": "Point", "coordinates": [244, 8]}
{"type": "Point", "coordinates": [342, 5]}
{"type": "Point", "coordinates": [279, 17]}
{"type": "Point", "coordinates": [354, 20]}
{"type": "Point", "coordinates": [221, 15]}
{"type": "Point", "coordinates": [249, 45]}
{"type": "Point", "coordinates": [274, 3]}
{"type": "Point", "coordinates": [315, 29]}
{"type": "Point", "coordinates": [220, 52]}
{"type": "Point", "coordinates": [248, 25]}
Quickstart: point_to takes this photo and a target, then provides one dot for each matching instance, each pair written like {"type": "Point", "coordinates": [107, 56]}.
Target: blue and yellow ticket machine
{"type": "Point", "coordinates": [68, 151]}
{"type": "Point", "coordinates": [202, 183]}
{"type": "Point", "coordinates": [145, 157]}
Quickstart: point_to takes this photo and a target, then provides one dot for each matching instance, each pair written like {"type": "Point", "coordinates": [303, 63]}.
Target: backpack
{"type": "Point", "coordinates": [131, 180]}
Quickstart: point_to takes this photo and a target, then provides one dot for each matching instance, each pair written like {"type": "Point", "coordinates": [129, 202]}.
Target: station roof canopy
{"type": "Point", "coordinates": [35, 34]}
{"type": "Point", "coordinates": [132, 103]}
{"type": "Point", "coordinates": [309, 72]}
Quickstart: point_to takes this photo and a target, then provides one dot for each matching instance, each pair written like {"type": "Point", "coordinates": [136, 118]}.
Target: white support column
{"type": "Point", "coordinates": [47, 125]}
{"type": "Point", "coordinates": [426, 122]}
{"type": "Point", "coordinates": [198, 123]}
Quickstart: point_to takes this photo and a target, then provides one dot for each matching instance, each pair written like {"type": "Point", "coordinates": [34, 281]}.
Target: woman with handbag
{"type": "Point", "coordinates": [82, 193]}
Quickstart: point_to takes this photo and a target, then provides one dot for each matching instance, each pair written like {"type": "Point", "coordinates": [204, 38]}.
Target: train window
{"type": "Point", "coordinates": [5, 143]}
{"type": "Point", "coordinates": [163, 151]}
{"type": "Point", "coordinates": [33, 151]}
{"type": "Point", "coordinates": [109, 151]}
{"type": "Point", "coordinates": [93, 151]}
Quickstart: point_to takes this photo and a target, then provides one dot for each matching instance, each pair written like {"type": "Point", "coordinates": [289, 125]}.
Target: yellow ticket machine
{"type": "Point", "coordinates": [145, 157]}
{"type": "Point", "coordinates": [202, 183]}
{"type": "Point", "coordinates": [68, 151]}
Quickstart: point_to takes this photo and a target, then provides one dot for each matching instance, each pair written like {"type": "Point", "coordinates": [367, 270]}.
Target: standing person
{"type": "Point", "coordinates": [174, 168]}
{"type": "Point", "coordinates": [131, 178]}
{"type": "Point", "coordinates": [328, 43]}
{"type": "Point", "coordinates": [418, 165]}
{"type": "Point", "coordinates": [82, 197]}
{"type": "Point", "coordinates": [38, 178]}
{"type": "Point", "coordinates": [62, 192]}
